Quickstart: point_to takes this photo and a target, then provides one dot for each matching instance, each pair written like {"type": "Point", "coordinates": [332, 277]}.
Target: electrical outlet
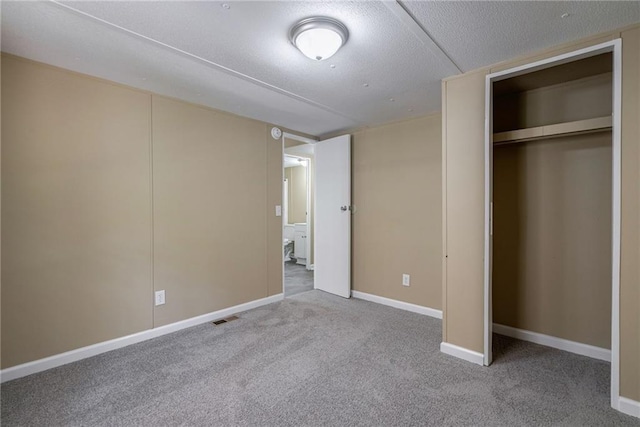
{"type": "Point", "coordinates": [159, 298]}
{"type": "Point", "coordinates": [406, 280]}
{"type": "Point", "coordinates": [278, 210]}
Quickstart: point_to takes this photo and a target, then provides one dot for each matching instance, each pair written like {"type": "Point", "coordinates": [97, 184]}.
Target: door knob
{"type": "Point", "coordinates": [344, 208]}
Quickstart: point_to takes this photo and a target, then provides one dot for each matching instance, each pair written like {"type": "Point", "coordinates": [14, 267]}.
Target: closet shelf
{"type": "Point", "coordinates": [597, 124]}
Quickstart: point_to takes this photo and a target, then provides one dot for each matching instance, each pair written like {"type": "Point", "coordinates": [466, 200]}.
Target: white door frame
{"type": "Point", "coordinates": [288, 135]}
{"type": "Point", "coordinates": [614, 46]}
{"type": "Point", "coordinates": [308, 204]}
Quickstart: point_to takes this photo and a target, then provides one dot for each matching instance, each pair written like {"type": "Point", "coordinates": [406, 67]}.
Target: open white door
{"type": "Point", "coordinates": [333, 216]}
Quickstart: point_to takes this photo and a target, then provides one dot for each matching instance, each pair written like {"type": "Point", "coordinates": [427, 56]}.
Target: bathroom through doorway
{"type": "Point", "coordinates": [297, 216]}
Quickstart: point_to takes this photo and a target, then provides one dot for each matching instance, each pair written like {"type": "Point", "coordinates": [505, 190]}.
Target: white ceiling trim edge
{"type": "Point", "coordinates": [421, 34]}
{"type": "Point", "coordinates": [298, 138]}
{"type": "Point", "coordinates": [208, 62]}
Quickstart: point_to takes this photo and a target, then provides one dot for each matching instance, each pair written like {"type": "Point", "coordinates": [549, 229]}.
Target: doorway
{"type": "Point", "coordinates": [327, 245]}
{"type": "Point", "coordinates": [538, 163]}
{"type": "Point", "coordinates": [297, 216]}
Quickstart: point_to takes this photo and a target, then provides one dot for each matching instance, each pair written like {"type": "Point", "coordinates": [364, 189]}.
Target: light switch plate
{"type": "Point", "coordinates": [278, 210]}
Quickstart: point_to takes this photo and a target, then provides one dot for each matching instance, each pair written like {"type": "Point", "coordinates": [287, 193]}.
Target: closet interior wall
{"type": "Point", "coordinates": [552, 202]}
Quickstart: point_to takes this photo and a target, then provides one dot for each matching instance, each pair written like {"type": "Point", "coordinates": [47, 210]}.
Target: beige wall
{"type": "Point", "coordinates": [552, 237]}
{"type": "Point", "coordinates": [297, 182]}
{"type": "Point", "coordinates": [396, 191]}
{"type": "Point", "coordinates": [209, 238]}
{"type": "Point", "coordinates": [630, 231]}
{"type": "Point", "coordinates": [77, 198]}
{"type": "Point", "coordinates": [463, 198]}
{"type": "Point", "coordinates": [540, 107]}
{"type": "Point", "coordinates": [76, 211]}
{"type": "Point", "coordinates": [463, 127]}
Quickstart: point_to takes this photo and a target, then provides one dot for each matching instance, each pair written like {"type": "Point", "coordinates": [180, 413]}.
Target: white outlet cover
{"type": "Point", "coordinates": [278, 210]}
{"type": "Point", "coordinates": [406, 280]}
{"type": "Point", "coordinates": [160, 298]}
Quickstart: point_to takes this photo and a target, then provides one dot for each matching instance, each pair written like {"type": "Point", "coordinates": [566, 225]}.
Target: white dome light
{"type": "Point", "coordinates": [319, 38]}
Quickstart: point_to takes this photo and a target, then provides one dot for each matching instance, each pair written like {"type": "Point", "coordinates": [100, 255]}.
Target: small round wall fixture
{"type": "Point", "coordinates": [319, 37]}
{"type": "Point", "coordinates": [276, 133]}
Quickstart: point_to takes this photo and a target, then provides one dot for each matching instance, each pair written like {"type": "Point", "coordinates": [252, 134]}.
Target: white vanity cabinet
{"type": "Point", "coordinates": [300, 246]}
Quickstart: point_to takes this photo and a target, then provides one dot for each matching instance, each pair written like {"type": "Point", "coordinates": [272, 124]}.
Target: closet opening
{"type": "Point", "coordinates": [297, 216]}
{"type": "Point", "coordinates": [552, 206]}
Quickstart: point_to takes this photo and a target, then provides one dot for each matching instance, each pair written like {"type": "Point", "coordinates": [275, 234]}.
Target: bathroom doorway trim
{"type": "Point", "coordinates": [287, 135]}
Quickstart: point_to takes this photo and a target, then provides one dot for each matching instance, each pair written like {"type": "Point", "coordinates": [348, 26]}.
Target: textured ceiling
{"type": "Point", "coordinates": [240, 60]}
{"type": "Point", "coordinates": [479, 33]}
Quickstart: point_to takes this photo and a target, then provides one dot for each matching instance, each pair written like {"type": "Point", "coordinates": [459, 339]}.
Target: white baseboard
{"type": "Point", "coordinates": [54, 361]}
{"type": "Point", "coordinates": [559, 343]}
{"type": "Point", "coordinates": [462, 353]}
{"type": "Point", "coordinates": [398, 304]}
{"type": "Point", "coordinates": [629, 407]}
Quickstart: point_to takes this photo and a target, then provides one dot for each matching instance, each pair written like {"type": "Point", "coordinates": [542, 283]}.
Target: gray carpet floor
{"type": "Point", "coordinates": [297, 279]}
{"type": "Point", "coordinates": [315, 359]}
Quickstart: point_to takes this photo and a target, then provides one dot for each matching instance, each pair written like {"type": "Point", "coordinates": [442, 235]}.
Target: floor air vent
{"type": "Point", "coordinates": [225, 320]}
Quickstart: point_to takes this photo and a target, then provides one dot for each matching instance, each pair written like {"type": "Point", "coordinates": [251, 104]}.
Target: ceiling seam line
{"type": "Point", "coordinates": [444, 52]}
{"type": "Point", "coordinates": [406, 17]}
{"type": "Point", "coordinates": [219, 67]}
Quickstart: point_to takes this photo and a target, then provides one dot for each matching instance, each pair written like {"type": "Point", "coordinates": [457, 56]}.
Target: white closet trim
{"type": "Point", "coordinates": [554, 342]}
{"type": "Point", "coordinates": [614, 46]}
{"type": "Point", "coordinates": [629, 407]}
{"type": "Point", "coordinates": [462, 353]}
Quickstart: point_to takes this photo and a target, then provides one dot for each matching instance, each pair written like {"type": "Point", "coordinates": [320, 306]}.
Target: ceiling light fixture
{"type": "Point", "coordinates": [319, 37]}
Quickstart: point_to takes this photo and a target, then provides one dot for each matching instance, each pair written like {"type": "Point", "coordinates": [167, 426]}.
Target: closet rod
{"type": "Point", "coordinates": [577, 127]}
